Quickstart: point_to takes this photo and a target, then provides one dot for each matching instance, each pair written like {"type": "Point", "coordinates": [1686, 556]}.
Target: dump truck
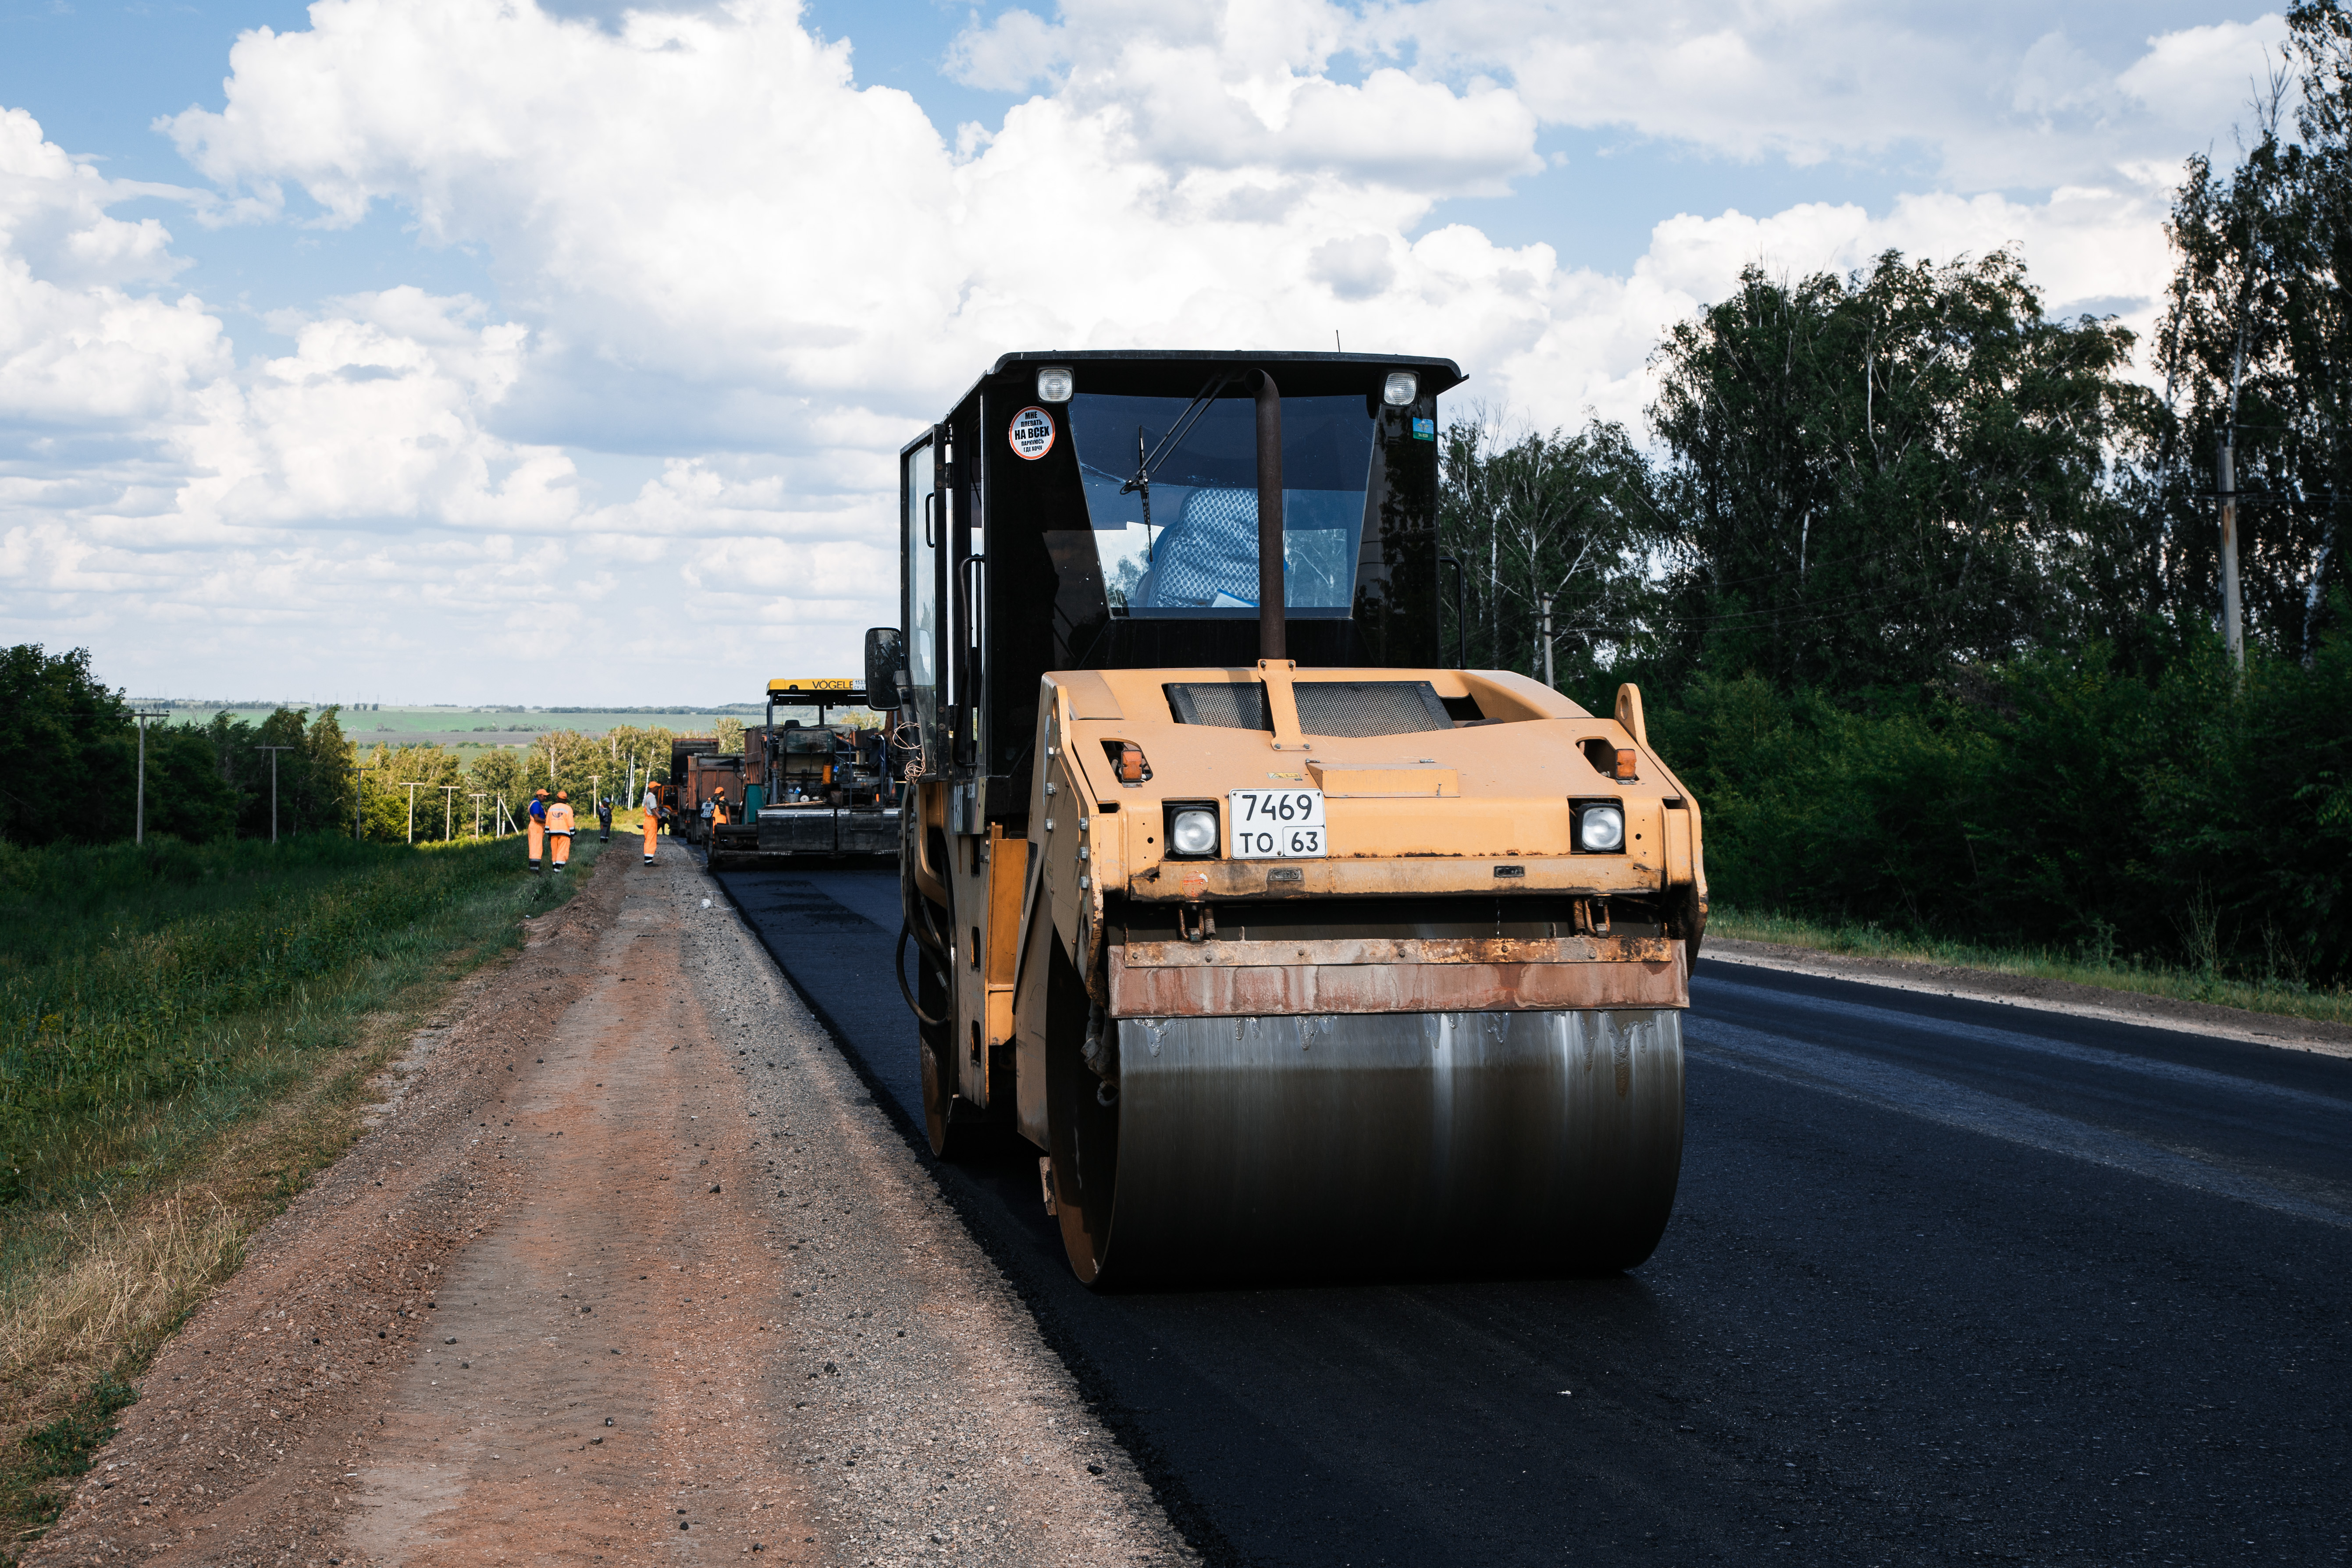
{"type": "Point", "coordinates": [824, 790]}
{"type": "Point", "coordinates": [1293, 949]}
{"type": "Point", "coordinates": [706, 773]}
{"type": "Point", "coordinates": [675, 788]}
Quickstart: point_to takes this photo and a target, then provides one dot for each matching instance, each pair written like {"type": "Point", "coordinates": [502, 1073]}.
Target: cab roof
{"type": "Point", "coordinates": [1177, 372]}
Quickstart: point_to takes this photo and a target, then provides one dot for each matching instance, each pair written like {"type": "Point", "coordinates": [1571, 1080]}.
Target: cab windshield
{"type": "Point", "coordinates": [1185, 544]}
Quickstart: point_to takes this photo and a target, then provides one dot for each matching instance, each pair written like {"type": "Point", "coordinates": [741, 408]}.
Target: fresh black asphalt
{"type": "Point", "coordinates": [1946, 1281]}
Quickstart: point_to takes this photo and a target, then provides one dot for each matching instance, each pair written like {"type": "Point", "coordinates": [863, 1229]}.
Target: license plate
{"type": "Point", "coordinates": [1276, 825]}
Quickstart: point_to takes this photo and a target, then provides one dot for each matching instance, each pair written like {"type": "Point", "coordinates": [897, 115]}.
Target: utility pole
{"type": "Point", "coordinates": [139, 831]}
{"type": "Point", "coordinates": [448, 810]}
{"type": "Point", "coordinates": [476, 798]}
{"type": "Point", "coordinates": [273, 752]}
{"type": "Point", "coordinates": [1546, 603]}
{"type": "Point", "coordinates": [2234, 631]}
{"type": "Point", "coordinates": [414, 785]}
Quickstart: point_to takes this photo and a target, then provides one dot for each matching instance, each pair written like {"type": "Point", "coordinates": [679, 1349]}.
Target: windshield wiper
{"type": "Point", "coordinates": [1176, 434]}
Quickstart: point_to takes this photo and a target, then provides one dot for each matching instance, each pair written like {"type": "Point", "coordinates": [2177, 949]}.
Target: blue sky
{"type": "Point", "coordinates": [485, 338]}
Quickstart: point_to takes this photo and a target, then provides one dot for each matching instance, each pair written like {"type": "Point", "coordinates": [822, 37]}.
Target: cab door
{"type": "Point", "coordinates": [923, 505]}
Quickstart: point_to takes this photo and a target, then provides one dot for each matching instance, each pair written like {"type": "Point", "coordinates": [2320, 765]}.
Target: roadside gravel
{"type": "Point", "coordinates": [632, 1269]}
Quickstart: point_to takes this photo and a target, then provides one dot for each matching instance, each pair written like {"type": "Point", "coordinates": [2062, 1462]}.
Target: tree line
{"type": "Point", "coordinates": [1923, 585]}
{"type": "Point", "coordinates": [70, 763]}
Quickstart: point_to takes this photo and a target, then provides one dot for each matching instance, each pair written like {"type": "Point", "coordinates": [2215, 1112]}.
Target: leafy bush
{"type": "Point", "coordinates": [2054, 800]}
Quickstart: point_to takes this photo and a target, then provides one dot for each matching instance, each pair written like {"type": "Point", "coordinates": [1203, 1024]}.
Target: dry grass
{"type": "Point", "coordinates": [127, 1279]}
{"type": "Point", "coordinates": [2283, 998]}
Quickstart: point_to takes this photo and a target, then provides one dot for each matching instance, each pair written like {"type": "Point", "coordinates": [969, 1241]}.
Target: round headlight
{"type": "Point", "coordinates": [1055, 384]}
{"type": "Point", "coordinates": [1193, 832]}
{"type": "Point", "coordinates": [1601, 828]}
{"type": "Point", "coordinates": [1403, 387]}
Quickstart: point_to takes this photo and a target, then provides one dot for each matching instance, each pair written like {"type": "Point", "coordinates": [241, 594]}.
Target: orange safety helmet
{"type": "Point", "coordinates": [563, 794]}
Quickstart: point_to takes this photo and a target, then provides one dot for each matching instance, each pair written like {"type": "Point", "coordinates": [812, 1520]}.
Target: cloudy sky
{"type": "Point", "coordinates": [479, 350]}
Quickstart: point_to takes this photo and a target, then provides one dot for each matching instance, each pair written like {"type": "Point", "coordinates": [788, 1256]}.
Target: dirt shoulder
{"type": "Point", "coordinates": [2044, 995]}
{"type": "Point", "coordinates": [630, 1270]}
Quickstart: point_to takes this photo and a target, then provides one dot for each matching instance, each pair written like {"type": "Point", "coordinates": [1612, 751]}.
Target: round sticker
{"type": "Point", "coordinates": [1033, 434]}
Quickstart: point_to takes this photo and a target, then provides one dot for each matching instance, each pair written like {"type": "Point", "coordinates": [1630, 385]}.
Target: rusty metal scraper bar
{"type": "Point", "coordinates": [1178, 979]}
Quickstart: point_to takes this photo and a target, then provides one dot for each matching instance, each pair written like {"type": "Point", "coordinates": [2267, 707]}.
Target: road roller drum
{"type": "Point", "coordinates": [1503, 1142]}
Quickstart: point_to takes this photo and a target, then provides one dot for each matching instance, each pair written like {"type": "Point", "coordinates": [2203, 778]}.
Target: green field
{"type": "Point", "coordinates": [462, 729]}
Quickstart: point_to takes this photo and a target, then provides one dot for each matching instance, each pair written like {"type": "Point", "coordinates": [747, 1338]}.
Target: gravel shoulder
{"type": "Point", "coordinates": [630, 1269]}
{"type": "Point", "coordinates": [2044, 995]}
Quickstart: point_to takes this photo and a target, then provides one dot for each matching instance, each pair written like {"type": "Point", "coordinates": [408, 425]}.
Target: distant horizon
{"type": "Point", "coordinates": [266, 705]}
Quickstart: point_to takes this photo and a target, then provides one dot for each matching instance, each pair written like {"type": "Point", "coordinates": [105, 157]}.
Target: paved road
{"type": "Point", "coordinates": [1945, 1281]}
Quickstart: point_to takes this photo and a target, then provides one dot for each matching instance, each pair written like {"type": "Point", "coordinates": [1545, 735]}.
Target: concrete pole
{"type": "Point", "coordinates": [412, 786]}
{"type": "Point", "coordinates": [448, 813]}
{"type": "Point", "coordinates": [476, 798]}
{"type": "Point", "coordinates": [2234, 631]}
{"type": "Point", "coordinates": [138, 829]}
{"type": "Point", "coordinates": [273, 752]}
{"type": "Point", "coordinates": [1546, 644]}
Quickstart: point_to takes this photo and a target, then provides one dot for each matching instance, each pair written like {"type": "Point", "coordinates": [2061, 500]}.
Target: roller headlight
{"type": "Point", "coordinates": [1402, 388]}
{"type": "Point", "coordinates": [1193, 831]}
{"type": "Point", "coordinates": [1055, 384]}
{"type": "Point", "coordinates": [1600, 829]}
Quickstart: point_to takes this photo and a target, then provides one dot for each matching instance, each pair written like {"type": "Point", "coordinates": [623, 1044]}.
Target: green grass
{"type": "Point", "coordinates": [2256, 993]}
{"type": "Point", "coordinates": [29, 1495]}
{"type": "Point", "coordinates": [190, 979]}
{"type": "Point", "coordinates": [186, 1035]}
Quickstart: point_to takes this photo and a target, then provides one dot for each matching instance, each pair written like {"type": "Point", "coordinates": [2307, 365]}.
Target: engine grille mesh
{"type": "Point", "coordinates": [1343, 708]}
{"type": "Point", "coordinates": [1215, 702]}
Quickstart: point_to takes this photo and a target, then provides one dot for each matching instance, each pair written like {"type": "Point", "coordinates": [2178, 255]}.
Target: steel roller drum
{"type": "Point", "coordinates": [1375, 1143]}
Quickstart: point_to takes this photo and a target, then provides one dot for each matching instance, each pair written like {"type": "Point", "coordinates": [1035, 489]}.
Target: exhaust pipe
{"type": "Point", "coordinates": [1270, 629]}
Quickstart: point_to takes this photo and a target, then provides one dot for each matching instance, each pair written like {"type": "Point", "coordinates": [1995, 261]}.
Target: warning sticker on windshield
{"type": "Point", "coordinates": [1033, 434]}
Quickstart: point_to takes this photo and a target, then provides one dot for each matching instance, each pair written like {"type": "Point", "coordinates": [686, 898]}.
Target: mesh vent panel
{"type": "Point", "coordinates": [1215, 702]}
{"type": "Point", "coordinates": [1344, 708]}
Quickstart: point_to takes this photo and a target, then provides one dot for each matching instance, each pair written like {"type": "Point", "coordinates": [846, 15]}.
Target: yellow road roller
{"type": "Point", "coordinates": [1296, 951]}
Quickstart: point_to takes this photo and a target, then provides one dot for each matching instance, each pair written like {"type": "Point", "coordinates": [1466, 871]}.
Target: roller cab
{"type": "Point", "coordinates": [1293, 951]}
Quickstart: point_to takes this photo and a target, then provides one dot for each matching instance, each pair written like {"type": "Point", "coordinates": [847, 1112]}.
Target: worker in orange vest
{"type": "Point", "coordinates": [719, 807]}
{"type": "Point", "coordinates": [652, 811]}
{"type": "Point", "coordinates": [559, 829]}
{"type": "Point", "coordinates": [537, 817]}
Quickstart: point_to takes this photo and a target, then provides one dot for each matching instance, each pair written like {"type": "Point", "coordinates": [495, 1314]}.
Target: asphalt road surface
{"type": "Point", "coordinates": [1945, 1281]}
